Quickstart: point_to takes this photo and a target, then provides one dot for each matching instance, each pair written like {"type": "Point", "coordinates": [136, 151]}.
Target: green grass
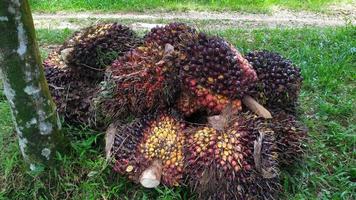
{"type": "Point", "coordinates": [179, 5]}
{"type": "Point", "coordinates": [327, 57]}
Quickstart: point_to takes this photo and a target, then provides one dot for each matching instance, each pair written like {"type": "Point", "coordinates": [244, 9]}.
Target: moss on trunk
{"type": "Point", "coordinates": [35, 118]}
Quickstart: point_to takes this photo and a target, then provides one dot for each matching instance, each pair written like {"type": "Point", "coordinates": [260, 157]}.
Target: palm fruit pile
{"type": "Point", "coordinates": [237, 156]}
{"type": "Point", "coordinates": [139, 82]}
{"type": "Point", "coordinates": [279, 80]}
{"type": "Point", "coordinates": [214, 75]}
{"type": "Point", "coordinates": [71, 93]}
{"type": "Point", "coordinates": [97, 46]}
{"type": "Point", "coordinates": [236, 162]}
{"type": "Point", "coordinates": [142, 142]}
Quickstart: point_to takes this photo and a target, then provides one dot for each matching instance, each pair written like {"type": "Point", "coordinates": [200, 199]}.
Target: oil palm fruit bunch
{"type": "Point", "coordinates": [201, 99]}
{"type": "Point", "coordinates": [215, 65]}
{"type": "Point", "coordinates": [71, 93]}
{"type": "Point", "coordinates": [95, 47]}
{"type": "Point", "coordinates": [174, 33]}
{"type": "Point", "coordinates": [279, 80]}
{"type": "Point", "coordinates": [291, 136]}
{"type": "Point", "coordinates": [214, 74]}
{"type": "Point", "coordinates": [139, 82]}
{"type": "Point", "coordinates": [237, 161]}
{"type": "Point", "coordinates": [264, 180]}
{"type": "Point", "coordinates": [156, 139]}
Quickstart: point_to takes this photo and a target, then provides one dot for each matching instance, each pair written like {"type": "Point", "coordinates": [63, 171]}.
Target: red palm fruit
{"type": "Point", "coordinates": [217, 66]}
{"type": "Point", "coordinates": [279, 80]}
{"type": "Point", "coordinates": [201, 99]}
{"type": "Point", "coordinates": [151, 139]}
{"type": "Point", "coordinates": [214, 75]}
{"type": "Point", "coordinates": [95, 47]}
{"type": "Point", "coordinates": [240, 160]}
{"type": "Point", "coordinates": [187, 105]}
{"type": "Point", "coordinates": [75, 69]}
{"type": "Point", "coordinates": [71, 93]}
{"type": "Point", "coordinates": [264, 180]}
{"type": "Point", "coordinates": [174, 33]}
{"type": "Point", "coordinates": [291, 137]}
{"type": "Point", "coordinates": [139, 82]}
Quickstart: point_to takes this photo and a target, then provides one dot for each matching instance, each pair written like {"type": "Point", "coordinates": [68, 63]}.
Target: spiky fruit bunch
{"type": "Point", "coordinates": [201, 99]}
{"type": "Point", "coordinates": [139, 82]}
{"type": "Point", "coordinates": [159, 139]}
{"type": "Point", "coordinates": [264, 181]}
{"type": "Point", "coordinates": [125, 146]}
{"type": "Point", "coordinates": [187, 105]}
{"type": "Point", "coordinates": [237, 162]}
{"type": "Point", "coordinates": [215, 65]}
{"type": "Point", "coordinates": [214, 74]}
{"type": "Point", "coordinates": [71, 93]}
{"type": "Point", "coordinates": [226, 147]}
{"type": "Point", "coordinates": [279, 79]}
{"type": "Point", "coordinates": [173, 33]}
{"type": "Point", "coordinates": [97, 46]}
{"type": "Point", "coordinates": [290, 136]}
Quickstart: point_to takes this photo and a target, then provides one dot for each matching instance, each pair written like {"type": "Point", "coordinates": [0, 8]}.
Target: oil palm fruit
{"type": "Point", "coordinates": [291, 137]}
{"type": "Point", "coordinates": [279, 80]}
{"type": "Point", "coordinates": [71, 93]}
{"type": "Point", "coordinates": [139, 82]}
{"type": "Point", "coordinates": [160, 138]}
{"type": "Point", "coordinates": [214, 74]}
{"type": "Point", "coordinates": [201, 99]}
{"type": "Point", "coordinates": [239, 161]}
{"type": "Point", "coordinates": [264, 180]}
{"type": "Point", "coordinates": [174, 33]}
{"type": "Point", "coordinates": [97, 46]}
{"type": "Point", "coordinates": [215, 65]}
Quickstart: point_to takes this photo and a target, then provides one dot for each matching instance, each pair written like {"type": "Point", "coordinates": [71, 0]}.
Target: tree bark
{"type": "Point", "coordinates": [34, 113]}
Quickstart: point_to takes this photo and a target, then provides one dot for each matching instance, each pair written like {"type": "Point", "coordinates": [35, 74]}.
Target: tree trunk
{"type": "Point", "coordinates": [34, 113]}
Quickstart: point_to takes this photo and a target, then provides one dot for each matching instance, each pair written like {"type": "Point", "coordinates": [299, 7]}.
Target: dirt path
{"type": "Point", "coordinates": [279, 18]}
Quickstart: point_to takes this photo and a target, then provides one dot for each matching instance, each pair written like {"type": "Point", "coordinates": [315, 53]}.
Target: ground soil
{"type": "Point", "coordinates": [215, 20]}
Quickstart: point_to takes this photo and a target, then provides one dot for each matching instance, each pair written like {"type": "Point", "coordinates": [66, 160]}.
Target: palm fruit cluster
{"type": "Point", "coordinates": [209, 68]}
{"type": "Point", "coordinates": [215, 65]}
{"type": "Point", "coordinates": [71, 93]}
{"type": "Point", "coordinates": [74, 70]}
{"type": "Point", "coordinates": [140, 82]}
{"type": "Point", "coordinates": [159, 138]}
{"type": "Point", "coordinates": [237, 162]}
{"type": "Point", "coordinates": [201, 99]}
{"type": "Point", "coordinates": [290, 136]}
{"type": "Point", "coordinates": [174, 33]}
{"type": "Point", "coordinates": [263, 181]}
{"type": "Point", "coordinates": [97, 46]}
{"type": "Point", "coordinates": [214, 75]}
{"type": "Point", "coordinates": [279, 80]}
